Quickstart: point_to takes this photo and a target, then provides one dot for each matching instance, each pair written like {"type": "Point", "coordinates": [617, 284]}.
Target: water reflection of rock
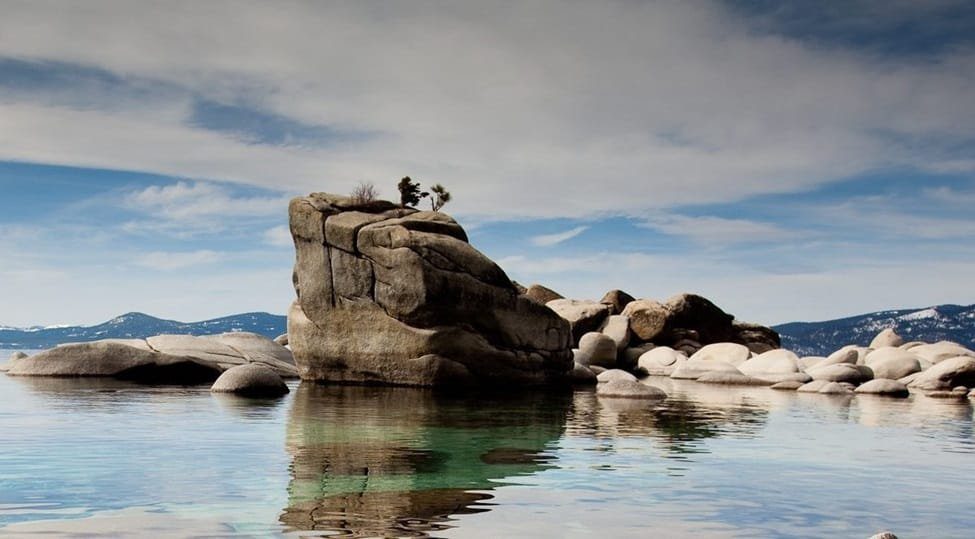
{"type": "Point", "coordinates": [399, 461]}
{"type": "Point", "coordinates": [681, 421]}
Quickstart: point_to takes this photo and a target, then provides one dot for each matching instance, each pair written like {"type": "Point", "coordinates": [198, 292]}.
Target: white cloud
{"type": "Point", "coordinates": [684, 104]}
{"type": "Point", "coordinates": [710, 230]}
{"type": "Point", "coordinates": [548, 240]}
{"type": "Point", "coordinates": [279, 236]}
{"type": "Point", "coordinates": [169, 261]}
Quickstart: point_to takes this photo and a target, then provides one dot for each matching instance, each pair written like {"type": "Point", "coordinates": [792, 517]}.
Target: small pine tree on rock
{"type": "Point", "coordinates": [440, 197]}
{"type": "Point", "coordinates": [409, 192]}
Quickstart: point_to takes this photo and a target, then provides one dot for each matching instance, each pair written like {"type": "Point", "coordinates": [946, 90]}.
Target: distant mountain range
{"type": "Point", "coordinates": [931, 324]}
{"type": "Point", "coordinates": [943, 322]}
{"type": "Point", "coordinates": [139, 325]}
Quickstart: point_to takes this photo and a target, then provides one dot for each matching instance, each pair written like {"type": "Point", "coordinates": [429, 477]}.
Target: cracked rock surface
{"type": "Point", "coordinates": [392, 295]}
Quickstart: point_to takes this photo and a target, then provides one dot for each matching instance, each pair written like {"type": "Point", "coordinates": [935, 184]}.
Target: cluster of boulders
{"type": "Point", "coordinates": [239, 362]}
{"type": "Point", "coordinates": [889, 366]}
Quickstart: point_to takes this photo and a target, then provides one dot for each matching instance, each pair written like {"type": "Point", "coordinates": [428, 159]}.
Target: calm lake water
{"type": "Point", "coordinates": [108, 458]}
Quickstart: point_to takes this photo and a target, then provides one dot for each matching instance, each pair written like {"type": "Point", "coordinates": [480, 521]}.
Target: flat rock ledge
{"type": "Point", "coordinates": [163, 359]}
{"type": "Point", "coordinates": [250, 380]}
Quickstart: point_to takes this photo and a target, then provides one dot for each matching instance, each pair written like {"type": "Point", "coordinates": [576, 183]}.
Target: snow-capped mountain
{"type": "Point", "coordinates": [931, 324]}
{"type": "Point", "coordinates": [139, 325]}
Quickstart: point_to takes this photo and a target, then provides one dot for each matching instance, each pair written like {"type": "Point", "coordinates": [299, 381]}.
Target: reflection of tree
{"type": "Point", "coordinates": [380, 461]}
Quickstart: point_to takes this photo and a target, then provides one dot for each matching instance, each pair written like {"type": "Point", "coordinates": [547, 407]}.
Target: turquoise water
{"type": "Point", "coordinates": [99, 457]}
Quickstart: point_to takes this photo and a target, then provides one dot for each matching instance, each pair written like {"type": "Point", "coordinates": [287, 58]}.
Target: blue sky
{"type": "Point", "coordinates": [788, 160]}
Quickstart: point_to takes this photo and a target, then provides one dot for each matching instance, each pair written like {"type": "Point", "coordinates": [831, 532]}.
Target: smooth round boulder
{"type": "Point", "coordinates": [250, 380]}
{"type": "Point", "coordinates": [940, 351]}
{"type": "Point", "coordinates": [596, 369]}
{"type": "Point", "coordinates": [282, 339]}
{"type": "Point", "coordinates": [692, 370]}
{"type": "Point", "coordinates": [583, 316]}
{"type": "Point", "coordinates": [596, 349]}
{"type": "Point", "coordinates": [887, 337]}
{"type": "Point", "coordinates": [629, 389]}
{"type": "Point", "coordinates": [841, 372]}
{"type": "Point", "coordinates": [809, 362]}
{"type": "Point", "coordinates": [788, 385]}
{"type": "Point", "coordinates": [729, 352]}
{"type": "Point", "coordinates": [581, 375]}
{"type": "Point", "coordinates": [812, 387]}
{"type": "Point", "coordinates": [647, 318]}
{"type": "Point", "coordinates": [883, 386]}
{"type": "Point", "coordinates": [773, 362]}
{"type": "Point", "coordinates": [835, 388]}
{"type": "Point", "coordinates": [847, 354]}
{"type": "Point", "coordinates": [947, 374]}
{"type": "Point", "coordinates": [892, 363]}
{"type": "Point", "coordinates": [614, 374]}
{"type": "Point", "coordinates": [731, 379]}
{"type": "Point", "coordinates": [660, 361]}
{"type": "Point", "coordinates": [912, 344]}
{"type": "Point", "coordinates": [17, 355]}
{"type": "Point", "coordinates": [617, 327]}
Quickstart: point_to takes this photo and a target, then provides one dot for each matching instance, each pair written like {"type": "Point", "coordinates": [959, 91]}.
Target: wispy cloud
{"type": "Point", "coordinates": [548, 240]}
{"type": "Point", "coordinates": [279, 236]}
{"type": "Point", "coordinates": [169, 261]}
{"type": "Point", "coordinates": [710, 230]}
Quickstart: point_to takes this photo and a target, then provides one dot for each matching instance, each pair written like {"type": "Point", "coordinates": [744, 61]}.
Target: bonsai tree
{"type": "Point", "coordinates": [409, 192]}
{"type": "Point", "coordinates": [440, 197]}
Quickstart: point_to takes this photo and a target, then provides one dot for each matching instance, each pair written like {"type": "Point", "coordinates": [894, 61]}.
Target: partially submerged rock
{"type": "Point", "coordinates": [692, 370]}
{"type": "Point", "coordinates": [835, 388]}
{"type": "Point", "coordinates": [629, 389]}
{"type": "Point", "coordinates": [660, 361]}
{"type": "Point", "coordinates": [787, 385]}
{"type": "Point", "coordinates": [164, 359]}
{"type": "Point", "coordinates": [883, 386]}
{"type": "Point", "coordinates": [391, 295]}
{"type": "Point", "coordinates": [250, 380]}
{"type": "Point", "coordinates": [841, 372]}
{"type": "Point", "coordinates": [581, 375]}
{"type": "Point", "coordinates": [596, 349]}
{"type": "Point", "coordinates": [947, 374]}
{"type": "Point", "coordinates": [611, 375]}
{"type": "Point", "coordinates": [731, 379]}
{"type": "Point", "coordinates": [111, 359]}
{"type": "Point", "coordinates": [729, 352]}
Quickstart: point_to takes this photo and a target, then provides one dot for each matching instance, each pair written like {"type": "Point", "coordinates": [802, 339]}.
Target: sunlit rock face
{"type": "Point", "coordinates": [391, 295]}
{"type": "Point", "coordinates": [395, 462]}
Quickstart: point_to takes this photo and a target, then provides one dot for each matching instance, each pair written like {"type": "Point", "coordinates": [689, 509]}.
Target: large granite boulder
{"type": "Point", "coordinates": [117, 360]}
{"type": "Point", "coordinates": [946, 374]}
{"type": "Point", "coordinates": [647, 317]}
{"type": "Point", "coordinates": [391, 295]}
{"type": "Point", "coordinates": [596, 349]}
{"type": "Point", "coordinates": [617, 300]}
{"type": "Point", "coordinates": [163, 359]}
{"type": "Point", "coordinates": [583, 316]}
{"type": "Point", "coordinates": [892, 363]}
{"type": "Point", "coordinates": [887, 337]}
{"type": "Point", "coordinates": [693, 317]}
{"type": "Point", "coordinates": [541, 294]}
